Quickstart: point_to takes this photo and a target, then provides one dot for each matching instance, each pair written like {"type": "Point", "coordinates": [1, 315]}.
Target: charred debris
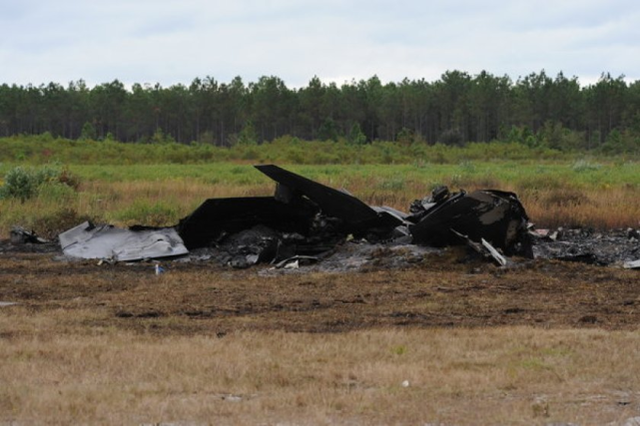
{"type": "Point", "coordinates": [304, 220]}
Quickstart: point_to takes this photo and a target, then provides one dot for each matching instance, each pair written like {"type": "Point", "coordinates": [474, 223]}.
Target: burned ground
{"type": "Point", "coordinates": [389, 288]}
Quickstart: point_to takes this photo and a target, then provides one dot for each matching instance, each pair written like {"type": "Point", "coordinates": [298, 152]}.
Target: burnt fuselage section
{"type": "Point", "coordinates": [307, 217]}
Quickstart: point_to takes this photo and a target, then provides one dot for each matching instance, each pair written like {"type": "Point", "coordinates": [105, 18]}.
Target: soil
{"type": "Point", "coordinates": [355, 288]}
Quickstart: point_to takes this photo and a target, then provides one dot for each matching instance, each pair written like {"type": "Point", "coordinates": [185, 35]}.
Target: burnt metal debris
{"type": "Point", "coordinates": [305, 219]}
{"type": "Point", "coordinates": [497, 217]}
{"type": "Point", "coordinates": [19, 235]}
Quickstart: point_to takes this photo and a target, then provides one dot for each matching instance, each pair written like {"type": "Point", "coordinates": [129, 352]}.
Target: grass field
{"type": "Point", "coordinates": [499, 376]}
{"type": "Point", "coordinates": [439, 343]}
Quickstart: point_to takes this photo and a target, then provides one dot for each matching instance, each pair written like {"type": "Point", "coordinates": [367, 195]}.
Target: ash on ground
{"type": "Point", "coordinates": [604, 248]}
{"type": "Point", "coordinates": [613, 248]}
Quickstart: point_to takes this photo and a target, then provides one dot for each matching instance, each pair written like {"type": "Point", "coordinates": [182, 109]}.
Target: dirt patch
{"type": "Point", "coordinates": [429, 289]}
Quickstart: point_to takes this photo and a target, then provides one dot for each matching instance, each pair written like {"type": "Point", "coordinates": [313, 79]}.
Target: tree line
{"type": "Point", "coordinates": [456, 109]}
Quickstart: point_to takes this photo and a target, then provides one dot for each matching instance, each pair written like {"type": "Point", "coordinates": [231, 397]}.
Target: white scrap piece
{"type": "Point", "coordinates": [502, 261]}
{"type": "Point", "coordinates": [485, 248]}
{"type": "Point", "coordinates": [632, 264]}
{"type": "Point", "coordinates": [293, 265]}
{"type": "Point", "coordinates": [87, 241]}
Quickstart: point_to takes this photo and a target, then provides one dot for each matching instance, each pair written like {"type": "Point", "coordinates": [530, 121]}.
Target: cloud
{"type": "Point", "coordinates": [173, 42]}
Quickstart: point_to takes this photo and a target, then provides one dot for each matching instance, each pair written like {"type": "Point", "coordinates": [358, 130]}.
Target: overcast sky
{"type": "Point", "coordinates": [170, 42]}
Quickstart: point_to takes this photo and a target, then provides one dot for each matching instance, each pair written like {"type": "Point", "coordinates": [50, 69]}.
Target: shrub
{"type": "Point", "coordinates": [18, 183]}
{"type": "Point", "coordinates": [24, 183]}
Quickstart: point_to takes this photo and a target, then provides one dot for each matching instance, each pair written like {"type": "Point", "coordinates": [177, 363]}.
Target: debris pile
{"type": "Point", "coordinates": [306, 221]}
{"type": "Point", "coordinates": [306, 218]}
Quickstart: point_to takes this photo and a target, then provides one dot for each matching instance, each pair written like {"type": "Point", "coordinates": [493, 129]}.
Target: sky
{"type": "Point", "coordinates": [173, 42]}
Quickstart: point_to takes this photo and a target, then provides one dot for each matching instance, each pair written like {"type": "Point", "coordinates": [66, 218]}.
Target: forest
{"type": "Point", "coordinates": [458, 108]}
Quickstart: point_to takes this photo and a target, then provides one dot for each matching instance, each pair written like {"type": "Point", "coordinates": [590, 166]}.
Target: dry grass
{"type": "Point", "coordinates": [507, 375]}
{"type": "Point", "coordinates": [598, 208]}
{"type": "Point", "coordinates": [603, 208]}
{"type": "Point", "coordinates": [184, 194]}
{"type": "Point", "coordinates": [81, 347]}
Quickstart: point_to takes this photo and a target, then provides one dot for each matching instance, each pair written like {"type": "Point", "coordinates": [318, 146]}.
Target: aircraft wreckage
{"type": "Point", "coordinates": [306, 218]}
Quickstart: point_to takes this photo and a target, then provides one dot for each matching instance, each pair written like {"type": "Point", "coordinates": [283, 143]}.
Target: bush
{"type": "Point", "coordinates": [18, 183]}
{"type": "Point", "coordinates": [24, 183]}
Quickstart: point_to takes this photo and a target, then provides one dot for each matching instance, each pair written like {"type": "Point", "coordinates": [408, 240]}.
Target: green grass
{"type": "Point", "coordinates": [336, 163]}
{"type": "Point", "coordinates": [394, 177]}
{"type": "Point", "coordinates": [42, 149]}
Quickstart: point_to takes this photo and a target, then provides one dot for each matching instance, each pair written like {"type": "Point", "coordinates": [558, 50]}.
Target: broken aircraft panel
{"type": "Point", "coordinates": [217, 218]}
{"type": "Point", "coordinates": [357, 217]}
{"type": "Point", "coordinates": [321, 215]}
{"type": "Point", "coordinates": [107, 242]}
{"type": "Point", "coordinates": [496, 216]}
